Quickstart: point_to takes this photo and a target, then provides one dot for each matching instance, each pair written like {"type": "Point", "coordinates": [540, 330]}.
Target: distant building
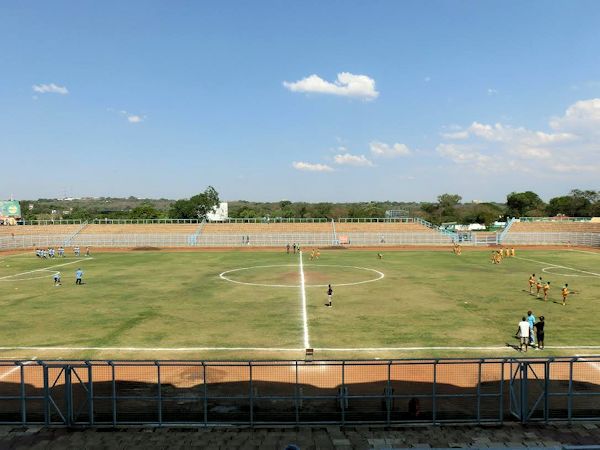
{"type": "Point", "coordinates": [221, 212]}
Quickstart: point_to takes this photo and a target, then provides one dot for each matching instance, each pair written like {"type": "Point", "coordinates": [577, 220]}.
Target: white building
{"type": "Point", "coordinates": [220, 212]}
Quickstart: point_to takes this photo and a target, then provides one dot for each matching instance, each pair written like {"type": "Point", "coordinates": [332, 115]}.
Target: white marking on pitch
{"type": "Point", "coordinates": [304, 314]}
{"type": "Point", "coordinates": [557, 265]}
{"type": "Point", "coordinates": [223, 276]}
{"type": "Point", "coordinates": [14, 369]}
{"type": "Point", "coordinates": [43, 269]}
{"type": "Point", "coordinates": [281, 349]}
{"type": "Point", "coordinates": [585, 251]}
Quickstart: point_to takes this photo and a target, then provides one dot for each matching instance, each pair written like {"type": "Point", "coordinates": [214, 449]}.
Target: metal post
{"type": "Point", "coordinates": [501, 403]}
{"type": "Point", "coordinates": [68, 396]}
{"type": "Point", "coordinates": [570, 393]}
{"type": "Point", "coordinates": [479, 393]}
{"type": "Point", "coordinates": [23, 402]}
{"type": "Point", "coordinates": [546, 388]}
{"type": "Point", "coordinates": [205, 400]}
{"type": "Point", "coordinates": [343, 394]}
{"type": "Point", "coordinates": [434, 392]}
{"type": "Point", "coordinates": [251, 394]}
{"type": "Point", "coordinates": [296, 394]}
{"type": "Point", "coordinates": [159, 393]}
{"type": "Point", "coordinates": [389, 401]}
{"type": "Point", "coordinates": [114, 394]}
{"type": "Point", "coordinates": [90, 393]}
{"type": "Point", "coordinates": [46, 396]}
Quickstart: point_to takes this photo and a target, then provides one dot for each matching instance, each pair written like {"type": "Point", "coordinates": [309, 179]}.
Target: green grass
{"type": "Point", "coordinates": [177, 300]}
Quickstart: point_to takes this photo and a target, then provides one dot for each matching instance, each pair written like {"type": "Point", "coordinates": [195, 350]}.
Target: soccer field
{"type": "Point", "coordinates": [243, 304]}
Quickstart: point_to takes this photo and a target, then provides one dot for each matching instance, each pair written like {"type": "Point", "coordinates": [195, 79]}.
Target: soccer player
{"type": "Point", "coordinates": [57, 279]}
{"type": "Point", "coordinates": [329, 297]}
{"type": "Point", "coordinates": [565, 293]}
{"type": "Point", "coordinates": [506, 252]}
{"type": "Point", "coordinates": [312, 254]}
{"type": "Point", "coordinates": [523, 333]}
{"type": "Point", "coordinates": [458, 250]}
{"type": "Point", "coordinates": [512, 251]}
{"type": "Point", "coordinates": [531, 283]}
{"type": "Point", "coordinates": [317, 253]}
{"type": "Point", "coordinates": [294, 246]}
{"type": "Point", "coordinates": [87, 251]}
{"type": "Point", "coordinates": [76, 250]}
{"type": "Point", "coordinates": [546, 289]}
{"type": "Point", "coordinates": [379, 255]}
{"type": "Point", "coordinates": [61, 252]}
{"type": "Point", "coordinates": [287, 248]}
{"type": "Point", "coordinates": [79, 276]}
{"type": "Point", "coordinates": [539, 285]}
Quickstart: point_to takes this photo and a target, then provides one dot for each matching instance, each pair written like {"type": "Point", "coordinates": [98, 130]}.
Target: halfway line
{"type": "Point", "coordinates": [303, 293]}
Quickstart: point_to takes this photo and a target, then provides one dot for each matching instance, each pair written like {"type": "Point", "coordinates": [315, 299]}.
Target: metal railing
{"type": "Point", "coordinates": [555, 219]}
{"type": "Point", "coordinates": [255, 393]}
{"type": "Point", "coordinates": [558, 238]}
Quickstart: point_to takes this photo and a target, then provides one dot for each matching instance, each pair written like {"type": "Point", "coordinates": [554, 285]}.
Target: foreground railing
{"type": "Point", "coordinates": [212, 393]}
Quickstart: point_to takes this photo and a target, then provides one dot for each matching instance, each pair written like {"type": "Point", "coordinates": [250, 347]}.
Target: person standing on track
{"type": "Point", "coordinates": [539, 329]}
{"type": "Point", "coordinates": [531, 322]}
{"type": "Point", "coordinates": [287, 248]}
{"type": "Point", "coordinates": [523, 333]}
{"type": "Point", "coordinates": [329, 296]}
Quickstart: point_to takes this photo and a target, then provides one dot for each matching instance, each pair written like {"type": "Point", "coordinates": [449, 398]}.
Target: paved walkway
{"type": "Point", "coordinates": [318, 438]}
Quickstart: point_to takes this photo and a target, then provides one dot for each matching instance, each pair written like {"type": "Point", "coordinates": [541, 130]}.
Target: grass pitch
{"type": "Point", "coordinates": [176, 304]}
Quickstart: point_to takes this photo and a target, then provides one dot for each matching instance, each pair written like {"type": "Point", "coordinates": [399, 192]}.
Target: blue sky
{"type": "Point", "coordinates": [316, 101]}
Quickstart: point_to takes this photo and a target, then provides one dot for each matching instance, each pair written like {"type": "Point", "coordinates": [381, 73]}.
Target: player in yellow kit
{"type": "Point", "coordinates": [539, 285]}
{"type": "Point", "coordinates": [512, 251]}
{"type": "Point", "coordinates": [546, 288]}
{"type": "Point", "coordinates": [531, 283]}
{"type": "Point", "coordinates": [565, 293]}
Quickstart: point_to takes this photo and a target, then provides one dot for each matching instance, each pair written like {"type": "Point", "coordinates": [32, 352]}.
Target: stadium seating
{"type": "Point", "coordinates": [382, 227]}
{"type": "Point", "coordinates": [39, 230]}
{"type": "Point", "coordinates": [555, 227]}
{"type": "Point", "coordinates": [146, 228]}
{"type": "Point", "coordinates": [266, 228]}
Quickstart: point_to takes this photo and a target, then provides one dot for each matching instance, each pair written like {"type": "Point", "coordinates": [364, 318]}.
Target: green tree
{"type": "Point", "coordinates": [144, 211]}
{"type": "Point", "coordinates": [521, 204]}
{"type": "Point", "coordinates": [569, 205]}
{"type": "Point", "coordinates": [197, 207]}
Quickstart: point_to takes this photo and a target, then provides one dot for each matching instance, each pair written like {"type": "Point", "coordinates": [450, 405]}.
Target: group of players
{"type": "Point", "coordinates": [50, 252]}
{"type": "Point", "coordinates": [544, 286]}
{"type": "Point", "coordinates": [501, 253]}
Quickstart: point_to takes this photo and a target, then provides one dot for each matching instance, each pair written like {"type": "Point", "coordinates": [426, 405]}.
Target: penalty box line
{"type": "Point", "coordinates": [45, 268]}
{"type": "Point", "coordinates": [558, 265]}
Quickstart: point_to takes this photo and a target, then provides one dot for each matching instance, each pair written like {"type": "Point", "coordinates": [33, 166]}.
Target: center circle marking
{"type": "Point", "coordinates": [223, 275]}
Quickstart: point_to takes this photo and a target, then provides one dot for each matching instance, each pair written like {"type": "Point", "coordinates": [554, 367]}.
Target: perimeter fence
{"type": "Point", "coordinates": [263, 393]}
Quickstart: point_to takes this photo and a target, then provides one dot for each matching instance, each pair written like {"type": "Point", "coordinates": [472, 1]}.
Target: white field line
{"type": "Point", "coordinates": [45, 268]}
{"type": "Point", "coordinates": [14, 369]}
{"type": "Point", "coordinates": [304, 314]}
{"type": "Point", "coordinates": [585, 251]}
{"type": "Point", "coordinates": [282, 349]}
{"type": "Point", "coordinates": [557, 265]}
{"type": "Point", "coordinates": [223, 276]}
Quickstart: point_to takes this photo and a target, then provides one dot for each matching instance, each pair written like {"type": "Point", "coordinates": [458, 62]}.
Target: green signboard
{"type": "Point", "coordinates": [10, 208]}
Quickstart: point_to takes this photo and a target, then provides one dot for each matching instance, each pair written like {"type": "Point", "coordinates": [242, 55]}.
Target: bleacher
{"type": "Point", "coordinates": [38, 230]}
{"type": "Point", "coordinates": [145, 228]}
{"type": "Point", "coordinates": [556, 227]}
{"type": "Point", "coordinates": [242, 229]}
{"type": "Point", "coordinates": [382, 227]}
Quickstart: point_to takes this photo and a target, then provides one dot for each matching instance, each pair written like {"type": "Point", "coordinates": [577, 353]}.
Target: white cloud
{"type": "Point", "coordinates": [389, 151]}
{"type": "Point", "coordinates": [352, 160]}
{"type": "Point", "coordinates": [492, 91]}
{"type": "Point", "coordinates": [135, 118]}
{"type": "Point", "coordinates": [346, 84]}
{"type": "Point", "coordinates": [427, 79]}
{"type": "Point", "coordinates": [50, 89]}
{"type": "Point", "coordinates": [310, 167]}
{"type": "Point", "coordinates": [570, 146]}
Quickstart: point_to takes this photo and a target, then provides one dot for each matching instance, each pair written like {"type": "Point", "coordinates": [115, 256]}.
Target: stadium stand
{"type": "Point", "coordinates": [556, 227]}
{"type": "Point", "coordinates": [265, 228]}
{"type": "Point", "coordinates": [382, 227]}
{"type": "Point", "coordinates": [29, 230]}
{"type": "Point", "coordinates": [152, 228]}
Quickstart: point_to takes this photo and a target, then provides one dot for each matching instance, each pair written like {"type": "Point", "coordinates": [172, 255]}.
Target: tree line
{"type": "Point", "coordinates": [447, 208]}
